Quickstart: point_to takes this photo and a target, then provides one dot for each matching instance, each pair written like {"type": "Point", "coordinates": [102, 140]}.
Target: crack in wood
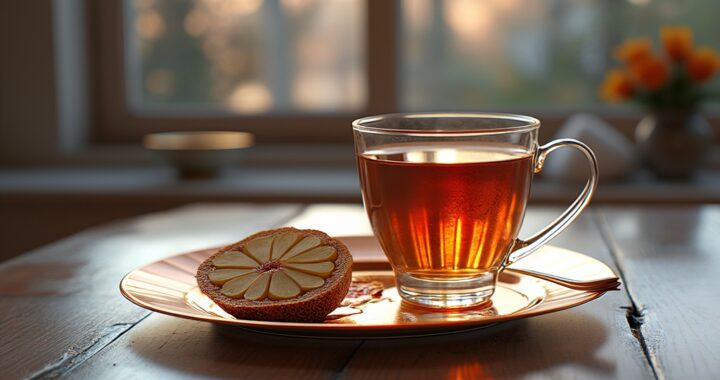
{"type": "Point", "coordinates": [349, 359]}
{"type": "Point", "coordinates": [635, 318]}
{"type": "Point", "coordinates": [73, 358]}
{"type": "Point", "coordinates": [634, 314]}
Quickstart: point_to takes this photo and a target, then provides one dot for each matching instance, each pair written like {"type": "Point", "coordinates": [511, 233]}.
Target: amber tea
{"type": "Point", "coordinates": [444, 211]}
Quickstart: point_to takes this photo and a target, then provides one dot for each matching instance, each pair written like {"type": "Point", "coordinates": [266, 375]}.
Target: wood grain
{"type": "Point", "coordinates": [62, 313]}
{"type": "Point", "coordinates": [669, 257]}
{"type": "Point", "coordinates": [61, 304]}
{"type": "Point", "coordinates": [590, 341]}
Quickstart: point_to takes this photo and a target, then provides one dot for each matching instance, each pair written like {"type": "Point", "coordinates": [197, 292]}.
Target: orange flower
{"type": "Point", "coordinates": [650, 73]}
{"type": "Point", "coordinates": [702, 64]}
{"type": "Point", "coordinates": [633, 51]}
{"type": "Point", "coordinates": [617, 86]}
{"type": "Point", "coordinates": [678, 41]}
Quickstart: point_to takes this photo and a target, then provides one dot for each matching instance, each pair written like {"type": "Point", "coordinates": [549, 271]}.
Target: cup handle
{"type": "Point", "coordinates": [522, 248]}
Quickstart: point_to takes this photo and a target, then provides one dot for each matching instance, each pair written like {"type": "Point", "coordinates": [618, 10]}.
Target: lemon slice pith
{"type": "Point", "coordinates": [276, 267]}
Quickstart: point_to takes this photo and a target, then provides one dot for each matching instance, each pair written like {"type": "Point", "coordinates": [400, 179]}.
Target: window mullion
{"type": "Point", "coordinates": [382, 55]}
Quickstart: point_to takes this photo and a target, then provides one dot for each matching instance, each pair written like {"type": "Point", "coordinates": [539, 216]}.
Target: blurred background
{"type": "Point", "coordinates": [82, 82]}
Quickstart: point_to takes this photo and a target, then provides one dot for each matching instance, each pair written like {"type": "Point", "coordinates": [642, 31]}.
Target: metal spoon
{"type": "Point", "coordinates": [599, 285]}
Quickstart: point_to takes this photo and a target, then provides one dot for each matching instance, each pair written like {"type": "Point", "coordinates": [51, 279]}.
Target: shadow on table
{"type": "Point", "coordinates": [511, 350]}
{"type": "Point", "coordinates": [205, 350]}
{"type": "Point", "coordinates": [508, 350]}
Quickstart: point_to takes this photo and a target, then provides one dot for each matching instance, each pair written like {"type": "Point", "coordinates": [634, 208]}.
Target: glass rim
{"type": "Point", "coordinates": [527, 123]}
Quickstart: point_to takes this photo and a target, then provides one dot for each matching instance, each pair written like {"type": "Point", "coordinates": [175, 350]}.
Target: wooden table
{"type": "Point", "coordinates": [62, 313]}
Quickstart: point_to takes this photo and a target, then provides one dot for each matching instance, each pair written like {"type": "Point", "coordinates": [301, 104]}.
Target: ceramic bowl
{"type": "Point", "coordinates": [198, 154]}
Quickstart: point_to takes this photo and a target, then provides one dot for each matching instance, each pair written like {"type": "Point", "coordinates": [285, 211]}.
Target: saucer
{"type": "Point", "coordinates": [373, 308]}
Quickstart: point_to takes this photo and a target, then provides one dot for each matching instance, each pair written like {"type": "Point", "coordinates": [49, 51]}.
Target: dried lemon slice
{"type": "Point", "coordinates": [277, 266]}
{"type": "Point", "coordinates": [280, 275]}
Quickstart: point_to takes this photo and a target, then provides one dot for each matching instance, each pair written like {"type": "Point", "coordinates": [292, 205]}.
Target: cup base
{"type": "Point", "coordinates": [444, 293]}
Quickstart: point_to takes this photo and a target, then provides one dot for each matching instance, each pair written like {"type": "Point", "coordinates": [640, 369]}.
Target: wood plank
{"type": "Point", "coordinates": [167, 347]}
{"type": "Point", "coordinates": [670, 259]}
{"type": "Point", "coordinates": [163, 346]}
{"type": "Point", "coordinates": [61, 304]}
{"type": "Point", "coordinates": [590, 341]}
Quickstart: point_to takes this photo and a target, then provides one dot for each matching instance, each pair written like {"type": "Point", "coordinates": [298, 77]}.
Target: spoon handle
{"type": "Point", "coordinates": [603, 284]}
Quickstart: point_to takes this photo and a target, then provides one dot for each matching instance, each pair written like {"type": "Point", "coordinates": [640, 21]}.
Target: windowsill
{"type": "Point", "coordinates": [134, 155]}
{"type": "Point", "coordinates": [304, 184]}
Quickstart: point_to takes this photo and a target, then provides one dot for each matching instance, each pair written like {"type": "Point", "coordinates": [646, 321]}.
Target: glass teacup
{"type": "Point", "coordinates": [446, 195]}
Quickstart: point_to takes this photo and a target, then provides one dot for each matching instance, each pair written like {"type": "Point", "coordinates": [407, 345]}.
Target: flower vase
{"type": "Point", "coordinates": [673, 144]}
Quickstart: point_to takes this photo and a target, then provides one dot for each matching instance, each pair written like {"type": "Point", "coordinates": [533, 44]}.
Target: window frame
{"type": "Point", "coordinates": [114, 122]}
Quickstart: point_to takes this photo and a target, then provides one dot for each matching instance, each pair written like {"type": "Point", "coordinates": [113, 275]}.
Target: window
{"type": "Point", "coordinates": [245, 57]}
{"type": "Point", "coordinates": [292, 70]}
{"type": "Point", "coordinates": [534, 55]}
{"type": "Point", "coordinates": [286, 70]}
